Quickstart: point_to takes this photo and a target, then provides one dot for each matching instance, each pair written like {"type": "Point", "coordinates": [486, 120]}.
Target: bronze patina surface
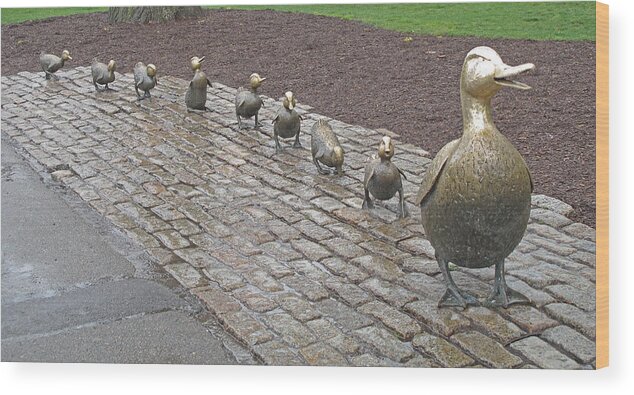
{"type": "Point", "coordinates": [287, 122]}
{"type": "Point", "coordinates": [51, 63]}
{"type": "Point", "coordinates": [196, 95]}
{"type": "Point", "coordinates": [325, 148]}
{"type": "Point", "coordinates": [475, 197]}
{"type": "Point", "coordinates": [144, 79]}
{"type": "Point", "coordinates": [383, 178]}
{"type": "Point", "coordinates": [248, 102]}
{"type": "Point", "coordinates": [102, 74]}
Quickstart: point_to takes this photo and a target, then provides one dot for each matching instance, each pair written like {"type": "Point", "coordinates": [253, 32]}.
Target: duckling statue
{"type": "Point", "coordinates": [144, 79]}
{"type": "Point", "coordinates": [287, 122]}
{"type": "Point", "coordinates": [51, 63]}
{"type": "Point", "coordinates": [248, 103]}
{"type": "Point", "coordinates": [102, 74]}
{"type": "Point", "coordinates": [475, 197]}
{"type": "Point", "coordinates": [383, 178]}
{"type": "Point", "coordinates": [325, 148]}
{"type": "Point", "coordinates": [196, 95]}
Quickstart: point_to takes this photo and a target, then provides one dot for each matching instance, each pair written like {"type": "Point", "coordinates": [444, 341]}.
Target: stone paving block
{"type": "Point", "coordinates": [244, 327]}
{"type": "Point", "coordinates": [323, 328]}
{"type": "Point", "coordinates": [572, 342]}
{"type": "Point", "coordinates": [529, 318]}
{"type": "Point", "coordinates": [349, 232]}
{"type": "Point", "coordinates": [327, 203]}
{"type": "Point", "coordinates": [345, 344]}
{"type": "Point", "coordinates": [443, 321]}
{"type": "Point", "coordinates": [404, 326]}
{"type": "Point", "coordinates": [378, 266]}
{"type": "Point", "coordinates": [393, 294]}
{"type": "Point", "coordinates": [321, 354]}
{"type": "Point", "coordinates": [185, 274]}
{"type": "Point", "coordinates": [388, 251]}
{"type": "Point", "coordinates": [226, 278]}
{"type": "Point", "coordinates": [349, 293]}
{"type": "Point", "coordinates": [172, 239]}
{"type": "Point", "coordinates": [542, 354]}
{"type": "Point", "coordinates": [418, 246]}
{"type": "Point", "coordinates": [291, 330]}
{"type": "Point", "coordinates": [566, 293]}
{"type": "Point", "coordinates": [345, 316]}
{"type": "Point", "coordinates": [574, 317]}
{"type": "Point", "coordinates": [343, 248]}
{"type": "Point", "coordinates": [487, 350]}
{"type": "Point", "coordinates": [310, 249]}
{"type": "Point", "coordinates": [276, 353]}
{"type": "Point", "coordinates": [312, 230]}
{"type": "Point", "coordinates": [275, 268]}
{"type": "Point", "coordinates": [312, 290]}
{"type": "Point", "coordinates": [340, 268]}
{"type": "Point", "coordinates": [297, 307]}
{"type": "Point", "coordinates": [494, 325]}
{"type": "Point", "coordinates": [386, 343]}
{"type": "Point", "coordinates": [217, 301]}
{"type": "Point", "coordinates": [446, 353]}
{"type": "Point", "coordinates": [281, 251]}
{"type": "Point", "coordinates": [254, 300]}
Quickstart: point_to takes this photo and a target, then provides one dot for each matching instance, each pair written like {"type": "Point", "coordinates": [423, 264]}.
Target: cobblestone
{"type": "Point", "coordinates": [285, 257]}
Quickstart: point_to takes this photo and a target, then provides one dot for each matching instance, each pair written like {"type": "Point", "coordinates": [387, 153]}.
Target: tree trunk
{"type": "Point", "coordinates": [151, 14]}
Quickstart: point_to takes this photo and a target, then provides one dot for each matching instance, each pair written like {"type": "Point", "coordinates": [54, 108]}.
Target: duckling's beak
{"type": "Point", "coordinates": [503, 76]}
{"type": "Point", "coordinates": [70, 57]}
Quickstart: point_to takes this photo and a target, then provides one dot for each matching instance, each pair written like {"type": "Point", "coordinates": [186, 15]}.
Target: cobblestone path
{"type": "Point", "coordinates": [285, 258]}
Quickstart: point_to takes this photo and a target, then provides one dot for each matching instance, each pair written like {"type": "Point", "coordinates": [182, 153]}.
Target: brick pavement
{"type": "Point", "coordinates": [285, 258]}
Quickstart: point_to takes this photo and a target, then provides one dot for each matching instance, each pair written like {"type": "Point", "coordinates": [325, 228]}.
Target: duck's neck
{"type": "Point", "coordinates": [476, 114]}
{"type": "Point", "coordinates": [254, 89]}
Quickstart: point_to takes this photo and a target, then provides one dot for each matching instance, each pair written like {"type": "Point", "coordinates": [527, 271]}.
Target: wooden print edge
{"type": "Point", "coordinates": [602, 185]}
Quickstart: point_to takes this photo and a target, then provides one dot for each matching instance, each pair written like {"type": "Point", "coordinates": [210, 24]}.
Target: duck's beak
{"type": "Point", "coordinates": [70, 57]}
{"type": "Point", "coordinates": [200, 60]}
{"type": "Point", "coordinates": [262, 79]}
{"type": "Point", "coordinates": [291, 105]}
{"type": "Point", "coordinates": [504, 75]}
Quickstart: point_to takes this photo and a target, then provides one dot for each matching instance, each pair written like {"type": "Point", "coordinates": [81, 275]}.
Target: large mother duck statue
{"type": "Point", "coordinates": [475, 197]}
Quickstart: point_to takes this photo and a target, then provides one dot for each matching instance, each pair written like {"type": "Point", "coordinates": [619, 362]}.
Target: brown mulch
{"type": "Point", "coordinates": [361, 75]}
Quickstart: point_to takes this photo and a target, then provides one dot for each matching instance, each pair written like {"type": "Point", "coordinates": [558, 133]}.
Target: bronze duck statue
{"type": "Point", "coordinates": [248, 103]}
{"type": "Point", "coordinates": [144, 79]}
{"type": "Point", "coordinates": [51, 63]}
{"type": "Point", "coordinates": [102, 74]}
{"type": "Point", "coordinates": [475, 197]}
{"type": "Point", "coordinates": [287, 122]}
{"type": "Point", "coordinates": [196, 95]}
{"type": "Point", "coordinates": [325, 148]}
{"type": "Point", "coordinates": [383, 178]}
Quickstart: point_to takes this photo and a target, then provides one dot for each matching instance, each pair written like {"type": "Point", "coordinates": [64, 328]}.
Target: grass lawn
{"type": "Point", "coordinates": [17, 15]}
{"type": "Point", "coordinates": [539, 21]}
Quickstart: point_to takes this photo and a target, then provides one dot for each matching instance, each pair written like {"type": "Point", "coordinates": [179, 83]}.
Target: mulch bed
{"type": "Point", "coordinates": [359, 74]}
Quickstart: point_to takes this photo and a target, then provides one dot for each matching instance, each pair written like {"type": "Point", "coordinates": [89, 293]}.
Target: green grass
{"type": "Point", "coordinates": [538, 21]}
{"type": "Point", "coordinates": [17, 15]}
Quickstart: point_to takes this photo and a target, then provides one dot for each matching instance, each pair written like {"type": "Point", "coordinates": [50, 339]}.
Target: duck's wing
{"type": "Point", "coordinates": [139, 74]}
{"type": "Point", "coordinates": [369, 170]}
{"type": "Point", "coordinates": [434, 170]}
{"type": "Point", "coordinates": [240, 98]}
{"type": "Point", "coordinates": [99, 72]}
{"type": "Point", "coordinates": [402, 173]}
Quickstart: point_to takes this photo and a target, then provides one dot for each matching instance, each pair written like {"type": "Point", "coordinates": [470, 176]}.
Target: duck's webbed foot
{"type": "Point", "coordinates": [367, 201]}
{"type": "Point", "coordinates": [453, 297]}
{"type": "Point", "coordinates": [256, 123]}
{"type": "Point", "coordinates": [297, 144]}
{"type": "Point", "coordinates": [402, 207]}
{"type": "Point", "coordinates": [502, 295]}
{"type": "Point", "coordinates": [107, 88]}
{"type": "Point", "coordinates": [319, 168]}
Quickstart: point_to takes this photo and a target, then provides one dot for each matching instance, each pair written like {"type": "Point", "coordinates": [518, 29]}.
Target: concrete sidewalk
{"type": "Point", "coordinates": [74, 290]}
